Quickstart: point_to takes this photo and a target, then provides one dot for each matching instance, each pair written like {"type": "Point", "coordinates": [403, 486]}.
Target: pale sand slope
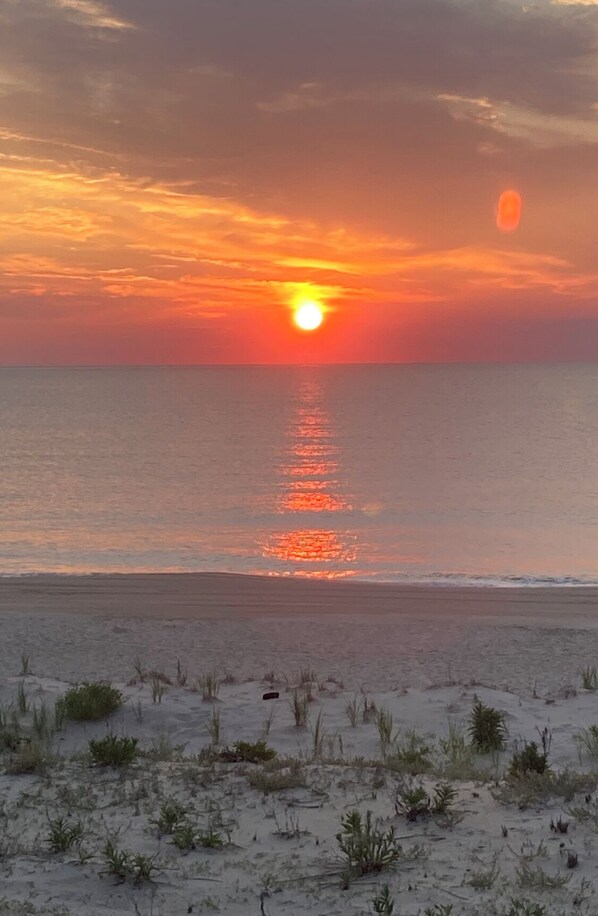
{"type": "Point", "coordinates": [404, 645]}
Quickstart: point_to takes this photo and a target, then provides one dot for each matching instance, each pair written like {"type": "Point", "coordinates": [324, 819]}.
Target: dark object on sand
{"type": "Point", "coordinates": [273, 695]}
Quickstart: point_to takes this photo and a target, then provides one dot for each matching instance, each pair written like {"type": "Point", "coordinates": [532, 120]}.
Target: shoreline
{"type": "Point", "coordinates": [231, 595]}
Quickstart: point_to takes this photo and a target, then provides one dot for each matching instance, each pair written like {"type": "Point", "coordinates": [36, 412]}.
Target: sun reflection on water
{"type": "Point", "coordinates": [310, 483]}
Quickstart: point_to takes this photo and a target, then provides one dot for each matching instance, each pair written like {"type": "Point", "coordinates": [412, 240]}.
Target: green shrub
{"type": "Point", "coordinates": [364, 847]}
{"type": "Point", "coordinates": [87, 702]}
{"type": "Point", "coordinates": [487, 727]}
{"type": "Point", "coordinates": [529, 760]}
{"type": "Point", "coordinates": [246, 752]}
{"type": "Point", "coordinates": [112, 751]}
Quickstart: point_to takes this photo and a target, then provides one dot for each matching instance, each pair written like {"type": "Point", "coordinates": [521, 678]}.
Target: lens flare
{"type": "Point", "coordinates": [508, 211]}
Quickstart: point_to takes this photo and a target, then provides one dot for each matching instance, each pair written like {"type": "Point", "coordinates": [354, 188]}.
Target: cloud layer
{"type": "Point", "coordinates": [173, 175]}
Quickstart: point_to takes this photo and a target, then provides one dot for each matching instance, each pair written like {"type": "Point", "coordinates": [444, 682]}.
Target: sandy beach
{"type": "Point", "coordinates": [421, 654]}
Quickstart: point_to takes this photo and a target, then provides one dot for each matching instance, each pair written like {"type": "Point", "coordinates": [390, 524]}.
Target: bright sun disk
{"type": "Point", "coordinates": [308, 316]}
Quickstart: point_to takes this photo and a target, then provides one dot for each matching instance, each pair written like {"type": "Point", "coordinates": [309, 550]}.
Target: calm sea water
{"type": "Point", "coordinates": [450, 473]}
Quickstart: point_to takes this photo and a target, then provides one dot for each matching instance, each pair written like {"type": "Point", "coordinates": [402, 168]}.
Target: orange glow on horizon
{"type": "Point", "coordinates": [508, 211]}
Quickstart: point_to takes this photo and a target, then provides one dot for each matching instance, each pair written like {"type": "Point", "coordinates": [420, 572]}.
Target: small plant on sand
{"type": "Point", "coordinates": [10, 729]}
{"type": "Point", "coordinates": [483, 879]}
{"type": "Point", "coordinates": [124, 864]}
{"type": "Point", "coordinates": [43, 728]}
{"type": "Point", "coordinates": [410, 755]}
{"type": "Point", "coordinates": [172, 815]}
{"type": "Point", "coordinates": [22, 700]}
{"type": "Point", "coordinates": [318, 737]}
{"type": "Point", "coordinates": [368, 708]}
{"type": "Point", "coordinates": [587, 740]}
{"type": "Point", "coordinates": [89, 701]}
{"type": "Point", "coordinates": [112, 751]}
{"type": "Point", "coordinates": [209, 685]}
{"type": "Point", "coordinates": [487, 727]}
{"type": "Point", "coordinates": [589, 678]}
{"type": "Point", "coordinates": [535, 878]}
{"type": "Point", "coordinates": [524, 908]}
{"type": "Point", "coordinates": [215, 726]}
{"type": "Point", "coordinates": [415, 802]}
{"type": "Point", "coordinates": [384, 724]}
{"type": "Point", "coordinates": [364, 847]}
{"type": "Point", "coordinates": [63, 834]}
{"type": "Point", "coordinates": [25, 668]}
{"type": "Point", "coordinates": [440, 909]}
{"type": "Point", "coordinates": [269, 720]}
{"type": "Point", "coordinates": [30, 758]}
{"type": "Point", "coordinates": [157, 688]}
{"type": "Point", "coordinates": [285, 775]}
{"type": "Point", "coordinates": [247, 752]}
{"type": "Point", "coordinates": [352, 710]}
{"type": "Point", "coordinates": [383, 903]}
{"type": "Point", "coordinates": [299, 708]}
{"type": "Point", "coordinates": [181, 674]}
{"type": "Point", "coordinates": [536, 788]}
{"type": "Point", "coordinates": [526, 761]}
{"type": "Point", "coordinates": [188, 837]}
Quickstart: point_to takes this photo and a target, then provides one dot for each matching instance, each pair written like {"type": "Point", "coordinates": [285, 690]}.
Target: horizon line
{"type": "Point", "coordinates": [257, 365]}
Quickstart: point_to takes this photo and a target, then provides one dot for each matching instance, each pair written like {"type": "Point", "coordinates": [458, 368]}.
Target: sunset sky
{"type": "Point", "coordinates": [176, 175]}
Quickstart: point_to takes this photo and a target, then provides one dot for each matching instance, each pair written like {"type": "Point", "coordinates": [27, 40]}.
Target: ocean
{"type": "Point", "coordinates": [445, 474]}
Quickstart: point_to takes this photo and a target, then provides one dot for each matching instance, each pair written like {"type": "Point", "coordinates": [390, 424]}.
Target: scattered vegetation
{"type": "Point", "coordinates": [89, 701]}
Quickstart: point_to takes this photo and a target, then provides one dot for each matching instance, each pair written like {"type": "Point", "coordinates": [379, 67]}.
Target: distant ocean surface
{"type": "Point", "coordinates": [444, 474]}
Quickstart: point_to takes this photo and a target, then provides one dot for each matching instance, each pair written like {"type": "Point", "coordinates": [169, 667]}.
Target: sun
{"type": "Point", "coordinates": [308, 315]}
